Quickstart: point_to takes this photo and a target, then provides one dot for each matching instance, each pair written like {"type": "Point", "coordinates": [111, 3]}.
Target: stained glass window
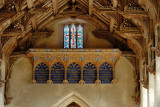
{"type": "Point", "coordinates": [41, 73]}
{"type": "Point", "coordinates": [66, 36]}
{"type": "Point", "coordinates": [80, 37]}
{"type": "Point", "coordinates": [73, 36]}
{"type": "Point", "coordinates": [105, 73]}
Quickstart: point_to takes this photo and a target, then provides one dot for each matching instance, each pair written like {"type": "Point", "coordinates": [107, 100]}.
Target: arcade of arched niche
{"type": "Point", "coordinates": [74, 65]}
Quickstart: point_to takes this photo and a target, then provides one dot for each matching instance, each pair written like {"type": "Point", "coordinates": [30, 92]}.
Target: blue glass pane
{"type": "Point", "coordinates": [57, 72]}
{"type": "Point", "coordinates": [80, 37]}
{"type": "Point", "coordinates": [105, 73]}
{"type": "Point", "coordinates": [89, 73]}
{"type": "Point", "coordinates": [41, 73]}
{"type": "Point", "coordinates": [66, 36]}
{"type": "Point", "coordinates": [73, 73]}
{"type": "Point", "coordinates": [73, 36]}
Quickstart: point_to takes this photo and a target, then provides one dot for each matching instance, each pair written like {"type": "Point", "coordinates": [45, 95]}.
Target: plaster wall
{"type": "Point", "coordinates": [56, 39]}
{"type": "Point", "coordinates": [25, 94]}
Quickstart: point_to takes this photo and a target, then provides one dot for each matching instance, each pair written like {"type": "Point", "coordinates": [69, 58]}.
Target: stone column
{"type": "Point", "coordinates": [144, 91]}
{"type": "Point", "coordinates": [2, 75]}
{"type": "Point", "coordinates": [98, 81]}
{"type": "Point", "coordinates": [49, 81]}
{"type": "Point", "coordinates": [81, 81]}
{"type": "Point", "coordinates": [65, 81]}
{"type": "Point", "coordinates": [157, 83]}
{"type": "Point", "coordinates": [33, 81]}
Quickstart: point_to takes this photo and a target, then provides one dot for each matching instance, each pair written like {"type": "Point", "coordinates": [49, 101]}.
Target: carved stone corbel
{"type": "Point", "coordinates": [151, 67]}
{"type": "Point", "coordinates": [144, 82]}
{"type": "Point", "coordinates": [156, 49]}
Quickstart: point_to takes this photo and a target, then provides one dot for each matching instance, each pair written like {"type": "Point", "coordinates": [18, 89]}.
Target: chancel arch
{"type": "Point", "coordinates": [72, 98]}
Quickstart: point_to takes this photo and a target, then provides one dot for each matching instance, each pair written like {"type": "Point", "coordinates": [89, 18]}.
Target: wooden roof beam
{"type": "Point", "coordinates": [29, 3]}
{"type": "Point", "coordinates": [62, 3]}
{"type": "Point", "coordinates": [2, 2]}
{"type": "Point", "coordinates": [90, 7]}
{"type": "Point", "coordinates": [55, 6]}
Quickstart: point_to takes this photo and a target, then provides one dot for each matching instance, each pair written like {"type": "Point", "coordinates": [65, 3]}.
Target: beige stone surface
{"type": "Point", "coordinates": [26, 94]}
{"type": "Point", "coordinates": [56, 39]}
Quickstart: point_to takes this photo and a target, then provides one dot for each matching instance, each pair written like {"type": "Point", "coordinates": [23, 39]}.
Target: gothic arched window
{"type": "Point", "coordinates": [73, 36]}
{"type": "Point", "coordinates": [41, 73]}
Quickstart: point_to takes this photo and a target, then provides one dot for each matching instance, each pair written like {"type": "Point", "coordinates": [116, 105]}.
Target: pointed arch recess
{"type": "Point", "coordinates": [64, 102]}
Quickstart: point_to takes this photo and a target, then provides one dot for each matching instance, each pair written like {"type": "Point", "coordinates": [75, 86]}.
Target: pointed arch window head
{"type": "Point", "coordinates": [73, 36]}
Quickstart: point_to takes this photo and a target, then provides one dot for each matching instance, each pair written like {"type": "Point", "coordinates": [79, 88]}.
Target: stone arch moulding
{"type": "Point", "coordinates": [73, 97]}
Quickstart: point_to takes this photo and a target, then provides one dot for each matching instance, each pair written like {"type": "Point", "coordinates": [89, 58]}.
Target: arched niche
{"type": "Point", "coordinates": [89, 73]}
{"type": "Point", "coordinates": [73, 73]}
{"type": "Point", "coordinates": [41, 73]}
{"type": "Point", "coordinates": [57, 72]}
{"type": "Point", "coordinates": [105, 73]}
{"type": "Point", "coordinates": [73, 104]}
{"type": "Point", "coordinates": [72, 98]}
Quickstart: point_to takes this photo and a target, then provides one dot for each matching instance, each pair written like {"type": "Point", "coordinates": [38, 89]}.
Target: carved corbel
{"type": "Point", "coordinates": [156, 49]}
{"type": "Point", "coordinates": [151, 67]}
{"type": "Point", "coordinates": [144, 81]}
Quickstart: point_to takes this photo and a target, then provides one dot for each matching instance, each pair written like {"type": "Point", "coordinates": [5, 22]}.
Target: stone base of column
{"type": "Point", "coordinates": [114, 81]}
{"type": "Point", "coordinates": [65, 82]}
{"type": "Point", "coordinates": [81, 82]}
{"type": "Point", "coordinates": [98, 82]}
{"type": "Point", "coordinates": [49, 82]}
{"type": "Point", "coordinates": [33, 81]}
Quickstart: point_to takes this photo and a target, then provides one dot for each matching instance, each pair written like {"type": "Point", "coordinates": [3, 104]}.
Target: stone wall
{"type": "Point", "coordinates": [56, 39]}
{"type": "Point", "coordinates": [25, 94]}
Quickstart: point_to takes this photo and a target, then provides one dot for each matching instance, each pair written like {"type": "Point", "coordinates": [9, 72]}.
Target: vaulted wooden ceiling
{"type": "Point", "coordinates": [129, 21]}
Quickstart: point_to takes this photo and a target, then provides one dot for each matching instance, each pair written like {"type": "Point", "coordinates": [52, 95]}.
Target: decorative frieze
{"type": "Point", "coordinates": [74, 66]}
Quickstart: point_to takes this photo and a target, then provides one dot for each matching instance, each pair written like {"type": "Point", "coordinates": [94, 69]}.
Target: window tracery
{"type": "Point", "coordinates": [73, 36]}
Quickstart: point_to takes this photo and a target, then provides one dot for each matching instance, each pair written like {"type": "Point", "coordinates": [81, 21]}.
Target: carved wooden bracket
{"type": "Point", "coordinates": [156, 49]}
{"type": "Point", "coordinates": [144, 81]}
{"type": "Point", "coordinates": [151, 67]}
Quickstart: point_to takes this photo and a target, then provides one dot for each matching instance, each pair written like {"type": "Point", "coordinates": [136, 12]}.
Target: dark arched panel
{"type": "Point", "coordinates": [57, 72]}
{"type": "Point", "coordinates": [105, 73]}
{"type": "Point", "coordinates": [89, 73]}
{"type": "Point", "coordinates": [41, 73]}
{"type": "Point", "coordinates": [73, 73]}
